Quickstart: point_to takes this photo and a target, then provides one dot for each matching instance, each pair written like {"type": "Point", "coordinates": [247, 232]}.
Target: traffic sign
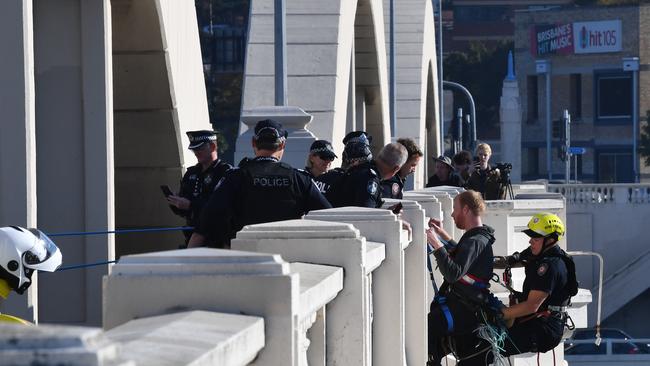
{"type": "Point", "coordinates": [577, 150]}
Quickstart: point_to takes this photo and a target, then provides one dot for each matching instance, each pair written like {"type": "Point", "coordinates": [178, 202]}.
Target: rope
{"type": "Point", "coordinates": [78, 266]}
{"type": "Point", "coordinates": [120, 231]}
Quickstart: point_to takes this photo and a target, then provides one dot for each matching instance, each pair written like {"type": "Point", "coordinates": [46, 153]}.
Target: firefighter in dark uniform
{"type": "Point", "coordinates": [393, 187]}
{"type": "Point", "coordinates": [320, 158]}
{"type": "Point", "coordinates": [466, 267]}
{"type": "Point", "coordinates": [199, 180]}
{"type": "Point", "coordinates": [540, 315]}
{"type": "Point", "coordinates": [261, 190]}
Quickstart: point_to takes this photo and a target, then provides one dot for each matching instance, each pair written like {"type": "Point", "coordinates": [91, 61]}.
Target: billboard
{"type": "Point", "coordinates": [576, 38]}
{"type": "Point", "coordinates": [598, 37]}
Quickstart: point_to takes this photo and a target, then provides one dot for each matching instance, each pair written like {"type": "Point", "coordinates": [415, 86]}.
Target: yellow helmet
{"type": "Point", "coordinates": [545, 224]}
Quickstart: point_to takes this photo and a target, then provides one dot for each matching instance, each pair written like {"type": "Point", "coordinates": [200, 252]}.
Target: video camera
{"type": "Point", "coordinates": [504, 168]}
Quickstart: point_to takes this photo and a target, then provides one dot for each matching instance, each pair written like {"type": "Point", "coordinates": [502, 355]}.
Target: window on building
{"type": "Point", "coordinates": [575, 102]}
{"type": "Point", "coordinates": [613, 96]}
{"type": "Point", "coordinates": [481, 13]}
{"type": "Point", "coordinates": [615, 167]}
{"type": "Point", "coordinates": [533, 98]}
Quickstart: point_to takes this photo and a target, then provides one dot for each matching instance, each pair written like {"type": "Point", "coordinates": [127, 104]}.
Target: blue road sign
{"type": "Point", "coordinates": [577, 150]}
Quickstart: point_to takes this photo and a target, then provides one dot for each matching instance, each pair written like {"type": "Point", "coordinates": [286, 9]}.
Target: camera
{"type": "Point", "coordinates": [504, 168]}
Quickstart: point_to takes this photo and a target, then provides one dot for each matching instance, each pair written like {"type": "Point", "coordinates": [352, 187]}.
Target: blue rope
{"type": "Point", "coordinates": [79, 266]}
{"type": "Point", "coordinates": [120, 231]}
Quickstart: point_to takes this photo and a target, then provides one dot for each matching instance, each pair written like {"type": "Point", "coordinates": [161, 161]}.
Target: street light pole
{"type": "Point", "coordinates": [544, 67]}
{"type": "Point", "coordinates": [393, 83]}
{"type": "Point", "coordinates": [632, 64]}
{"type": "Point", "coordinates": [472, 109]}
{"type": "Point", "coordinates": [280, 49]}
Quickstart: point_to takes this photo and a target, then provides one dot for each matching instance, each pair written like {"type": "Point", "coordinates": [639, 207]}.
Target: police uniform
{"type": "Point", "coordinates": [197, 186]}
{"type": "Point", "coordinates": [392, 188]}
{"type": "Point", "coordinates": [261, 190]}
{"type": "Point", "coordinates": [327, 180]}
{"type": "Point", "coordinates": [360, 186]}
{"type": "Point", "coordinates": [549, 272]}
{"type": "Point", "coordinates": [466, 269]}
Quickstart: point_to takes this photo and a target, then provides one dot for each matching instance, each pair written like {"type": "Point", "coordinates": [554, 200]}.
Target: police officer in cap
{"type": "Point", "coordinates": [319, 160]}
{"type": "Point", "coordinates": [361, 185]}
{"type": "Point", "coordinates": [261, 190]}
{"type": "Point", "coordinates": [540, 315]}
{"type": "Point", "coordinates": [199, 180]}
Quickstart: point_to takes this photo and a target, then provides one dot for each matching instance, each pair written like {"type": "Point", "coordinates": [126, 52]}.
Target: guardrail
{"type": "Point", "coordinates": [603, 193]}
{"type": "Point", "coordinates": [635, 348]}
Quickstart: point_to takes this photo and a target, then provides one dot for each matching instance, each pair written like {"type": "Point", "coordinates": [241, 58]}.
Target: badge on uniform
{"type": "Point", "coordinates": [207, 179]}
{"type": "Point", "coordinates": [542, 269]}
{"type": "Point", "coordinates": [395, 188]}
{"type": "Point", "coordinates": [192, 177]}
{"type": "Point", "coordinates": [372, 187]}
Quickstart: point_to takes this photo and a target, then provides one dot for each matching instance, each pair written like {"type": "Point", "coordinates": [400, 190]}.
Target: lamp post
{"type": "Point", "coordinates": [472, 109]}
{"type": "Point", "coordinates": [280, 34]}
{"type": "Point", "coordinates": [544, 67]}
{"type": "Point", "coordinates": [632, 64]}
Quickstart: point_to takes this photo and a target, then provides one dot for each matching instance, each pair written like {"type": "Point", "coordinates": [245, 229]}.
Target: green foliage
{"type": "Point", "coordinates": [644, 145]}
{"type": "Point", "coordinates": [481, 71]}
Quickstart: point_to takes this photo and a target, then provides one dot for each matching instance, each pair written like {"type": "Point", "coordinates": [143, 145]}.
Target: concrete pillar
{"type": "Point", "coordinates": [330, 243]}
{"type": "Point", "coordinates": [17, 136]}
{"type": "Point", "coordinates": [388, 280]}
{"type": "Point", "coordinates": [293, 119]}
{"type": "Point", "coordinates": [225, 281]}
{"type": "Point", "coordinates": [416, 282]}
{"type": "Point", "coordinates": [74, 148]}
{"type": "Point", "coordinates": [511, 118]}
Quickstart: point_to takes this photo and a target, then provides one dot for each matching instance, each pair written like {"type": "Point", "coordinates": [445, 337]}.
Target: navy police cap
{"type": "Point", "coordinates": [269, 129]}
{"type": "Point", "coordinates": [198, 138]}
{"type": "Point", "coordinates": [357, 136]}
{"type": "Point", "coordinates": [322, 148]}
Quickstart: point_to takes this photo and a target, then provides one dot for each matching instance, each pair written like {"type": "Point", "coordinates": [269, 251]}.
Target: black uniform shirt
{"type": "Point", "coordinates": [392, 188]}
{"type": "Point", "coordinates": [238, 201]}
{"type": "Point", "coordinates": [327, 181]}
{"type": "Point", "coordinates": [360, 187]}
{"type": "Point", "coordinates": [197, 186]}
{"type": "Point", "coordinates": [547, 273]}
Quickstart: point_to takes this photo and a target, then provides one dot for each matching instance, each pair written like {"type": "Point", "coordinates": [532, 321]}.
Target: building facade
{"type": "Point", "coordinates": [585, 50]}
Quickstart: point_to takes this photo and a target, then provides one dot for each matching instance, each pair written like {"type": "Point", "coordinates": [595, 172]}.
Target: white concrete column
{"type": "Point", "coordinates": [17, 133]}
{"type": "Point", "coordinates": [511, 118]}
{"type": "Point", "coordinates": [388, 280]}
{"type": "Point", "coordinates": [331, 243]}
{"type": "Point", "coordinates": [416, 282]}
{"type": "Point", "coordinates": [293, 119]}
{"type": "Point", "coordinates": [73, 72]}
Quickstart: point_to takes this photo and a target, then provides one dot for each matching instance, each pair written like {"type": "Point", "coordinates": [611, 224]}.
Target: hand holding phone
{"type": "Point", "coordinates": [166, 191]}
{"type": "Point", "coordinates": [397, 208]}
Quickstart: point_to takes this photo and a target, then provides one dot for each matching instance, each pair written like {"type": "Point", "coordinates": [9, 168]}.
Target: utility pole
{"type": "Point", "coordinates": [632, 64]}
{"type": "Point", "coordinates": [567, 146]}
{"type": "Point", "coordinates": [544, 67]}
{"type": "Point", "coordinates": [280, 38]}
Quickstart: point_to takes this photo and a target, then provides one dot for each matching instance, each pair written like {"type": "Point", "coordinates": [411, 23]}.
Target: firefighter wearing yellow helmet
{"type": "Point", "coordinates": [22, 252]}
{"type": "Point", "coordinates": [540, 314]}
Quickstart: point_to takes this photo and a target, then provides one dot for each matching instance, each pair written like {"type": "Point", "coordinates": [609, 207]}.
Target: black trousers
{"type": "Point", "coordinates": [535, 335]}
{"type": "Point", "coordinates": [461, 340]}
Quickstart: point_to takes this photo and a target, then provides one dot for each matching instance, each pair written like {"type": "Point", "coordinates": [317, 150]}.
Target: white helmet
{"type": "Point", "coordinates": [23, 251]}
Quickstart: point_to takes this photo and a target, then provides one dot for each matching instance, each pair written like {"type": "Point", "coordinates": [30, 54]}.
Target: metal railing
{"type": "Point", "coordinates": [619, 193]}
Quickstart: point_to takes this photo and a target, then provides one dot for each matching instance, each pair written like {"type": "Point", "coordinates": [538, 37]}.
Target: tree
{"type": "Point", "coordinates": [481, 71]}
{"type": "Point", "coordinates": [644, 145]}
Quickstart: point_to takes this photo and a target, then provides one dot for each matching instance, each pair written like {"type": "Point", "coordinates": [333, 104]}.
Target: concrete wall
{"type": "Point", "coordinates": [17, 134]}
{"type": "Point", "coordinates": [328, 45]}
{"type": "Point", "coordinates": [159, 95]}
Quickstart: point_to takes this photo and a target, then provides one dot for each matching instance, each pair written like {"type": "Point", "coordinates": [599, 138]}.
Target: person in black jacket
{"type": "Point", "coordinates": [540, 315]}
{"type": "Point", "coordinates": [199, 180]}
{"type": "Point", "coordinates": [466, 267]}
{"type": "Point", "coordinates": [261, 190]}
{"type": "Point", "coordinates": [393, 187]}
{"type": "Point", "coordinates": [444, 175]}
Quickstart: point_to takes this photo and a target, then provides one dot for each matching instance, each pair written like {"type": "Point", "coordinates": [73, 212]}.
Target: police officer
{"type": "Point", "coordinates": [261, 190]}
{"type": "Point", "coordinates": [199, 180]}
{"type": "Point", "coordinates": [22, 252]}
{"type": "Point", "coordinates": [540, 316]}
{"type": "Point", "coordinates": [393, 187]}
{"type": "Point", "coordinates": [320, 158]}
{"type": "Point", "coordinates": [466, 268]}
{"type": "Point", "coordinates": [361, 185]}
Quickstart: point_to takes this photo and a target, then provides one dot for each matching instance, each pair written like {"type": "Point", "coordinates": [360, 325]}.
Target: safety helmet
{"type": "Point", "coordinates": [23, 251]}
{"type": "Point", "coordinates": [545, 224]}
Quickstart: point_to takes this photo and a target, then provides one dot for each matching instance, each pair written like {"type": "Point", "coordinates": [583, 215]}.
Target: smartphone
{"type": "Point", "coordinates": [397, 208]}
{"type": "Point", "coordinates": [166, 191]}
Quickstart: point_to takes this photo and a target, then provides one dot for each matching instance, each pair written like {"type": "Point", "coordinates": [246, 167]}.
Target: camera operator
{"type": "Point", "coordinates": [484, 178]}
